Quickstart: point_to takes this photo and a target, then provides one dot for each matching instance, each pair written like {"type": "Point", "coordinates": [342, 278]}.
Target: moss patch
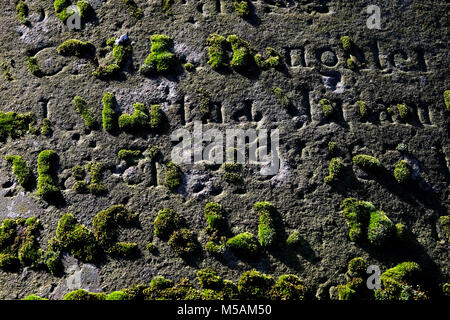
{"type": "Point", "coordinates": [336, 170]}
{"type": "Point", "coordinates": [173, 176]}
{"type": "Point", "coordinates": [105, 227]}
{"type": "Point", "coordinates": [20, 169]}
{"type": "Point", "coordinates": [367, 162]}
{"type": "Point", "coordinates": [266, 228]}
{"type": "Point", "coordinates": [242, 53]}
{"type": "Point", "coordinates": [77, 48]}
{"type": "Point", "coordinates": [166, 222]}
{"type": "Point", "coordinates": [134, 10]}
{"type": "Point", "coordinates": [18, 243]}
{"type": "Point", "coordinates": [401, 283]}
{"type": "Point", "coordinates": [74, 238]}
{"type": "Point", "coordinates": [85, 112]}
{"type": "Point", "coordinates": [327, 107]}
{"type": "Point", "coordinates": [217, 51]}
{"type": "Point", "coordinates": [47, 188]}
{"type": "Point", "coordinates": [137, 121]}
{"type": "Point", "coordinates": [447, 99]}
{"type": "Point", "coordinates": [13, 124]}
{"type": "Point", "coordinates": [367, 223]}
{"type": "Point", "coordinates": [160, 59]}
{"type": "Point", "coordinates": [244, 244]}
{"type": "Point", "coordinates": [109, 115]}
{"type": "Point", "coordinates": [402, 172]}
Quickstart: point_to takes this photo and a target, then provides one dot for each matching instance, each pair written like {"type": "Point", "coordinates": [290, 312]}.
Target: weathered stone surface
{"type": "Point", "coordinates": [406, 61]}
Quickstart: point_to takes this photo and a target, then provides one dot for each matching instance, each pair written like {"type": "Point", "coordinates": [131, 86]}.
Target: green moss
{"type": "Point", "coordinates": [295, 240]}
{"type": "Point", "coordinates": [61, 9]}
{"type": "Point", "coordinates": [9, 262]}
{"type": "Point", "coordinates": [96, 185]}
{"type": "Point", "coordinates": [6, 71]}
{"type": "Point", "coordinates": [130, 156]}
{"type": "Point", "coordinates": [351, 64]}
{"type": "Point", "coordinates": [289, 287]}
{"type": "Point", "coordinates": [73, 47]}
{"type": "Point", "coordinates": [47, 188]}
{"type": "Point", "coordinates": [184, 242]}
{"type": "Point", "coordinates": [217, 51]}
{"type": "Point", "coordinates": [367, 162]}
{"type": "Point", "coordinates": [86, 114]}
{"type": "Point", "coordinates": [336, 170]}
{"type": "Point", "coordinates": [367, 223]}
{"type": "Point", "coordinates": [52, 260]}
{"type": "Point", "coordinates": [85, 8]}
{"type": "Point", "coordinates": [106, 72]}
{"type": "Point", "coordinates": [152, 248]}
{"type": "Point", "coordinates": [167, 6]}
{"type": "Point", "coordinates": [273, 59]}
{"type": "Point", "coordinates": [189, 67]}
{"type": "Point", "coordinates": [402, 172]}
{"type": "Point", "coordinates": [160, 60]}
{"type": "Point", "coordinates": [215, 248]}
{"type": "Point", "coordinates": [33, 297]}
{"type": "Point", "coordinates": [22, 12]}
{"type": "Point", "coordinates": [109, 115]}
{"type": "Point", "coordinates": [84, 295]}
{"type": "Point", "coordinates": [242, 8]}
{"type": "Point", "coordinates": [447, 99]}
{"type": "Point", "coordinates": [357, 215]}
{"type": "Point", "coordinates": [362, 107]}
{"type": "Point", "coordinates": [166, 222]}
{"type": "Point", "coordinates": [214, 217]}
{"type": "Point", "coordinates": [76, 239]}
{"type": "Point", "coordinates": [18, 243]}
{"type": "Point", "coordinates": [134, 10]}
{"type": "Point", "coordinates": [333, 149]}
{"type": "Point", "coordinates": [204, 101]}
{"type": "Point", "coordinates": [208, 279]}
{"type": "Point", "coordinates": [350, 290]}
{"type": "Point", "coordinates": [33, 67]}
{"type": "Point", "coordinates": [397, 283]}
{"type": "Point", "coordinates": [266, 228]}
{"type": "Point", "coordinates": [446, 289]}
{"type": "Point", "coordinates": [138, 121]}
{"type": "Point", "coordinates": [403, 111]}
{"type": "Point", "coordinates": [122, 53]}
{"type": "Point", "coordinates": [232, 174]}
{"type": "Point", "coordinates": [105, 227]}
{"type": "Point", "coordinates": [20, 169]}
{"type": "Point", "coordinates": [242, 53]}
{"type": "Point", "coordinates": [357, 267]}
{"type": "Point", "coordinates": [347, 43]}
{"type": "Point", "coordinates": [244, 244]}
{"type": "Point", "coordinates": [255, 285]}
{"type": "Point", "coordinates": [327, 107]}
{"type": "Point", "coordinates": [400, 231]}
{"type": "Point", "coordinates": [123, 249]}
{"type": "Point", "coordinates": [13, 124]}
{"type": "Point", "coordinates": [183, 290]}
{"type": "Point", "coordinates": [445, 224]}
{"type": "Point", "coordinates": [281, 96]}
{"type": "Point", "coordinates": [381, 229]}
{"type": "Point", "coordinates": [46, 129]}
{"type": "Point", "coordinates": [160, 282]}
{"type": "Point", "coordinates": [173, 176]}
{"type": "Point", "coordinates": [117, 295]}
